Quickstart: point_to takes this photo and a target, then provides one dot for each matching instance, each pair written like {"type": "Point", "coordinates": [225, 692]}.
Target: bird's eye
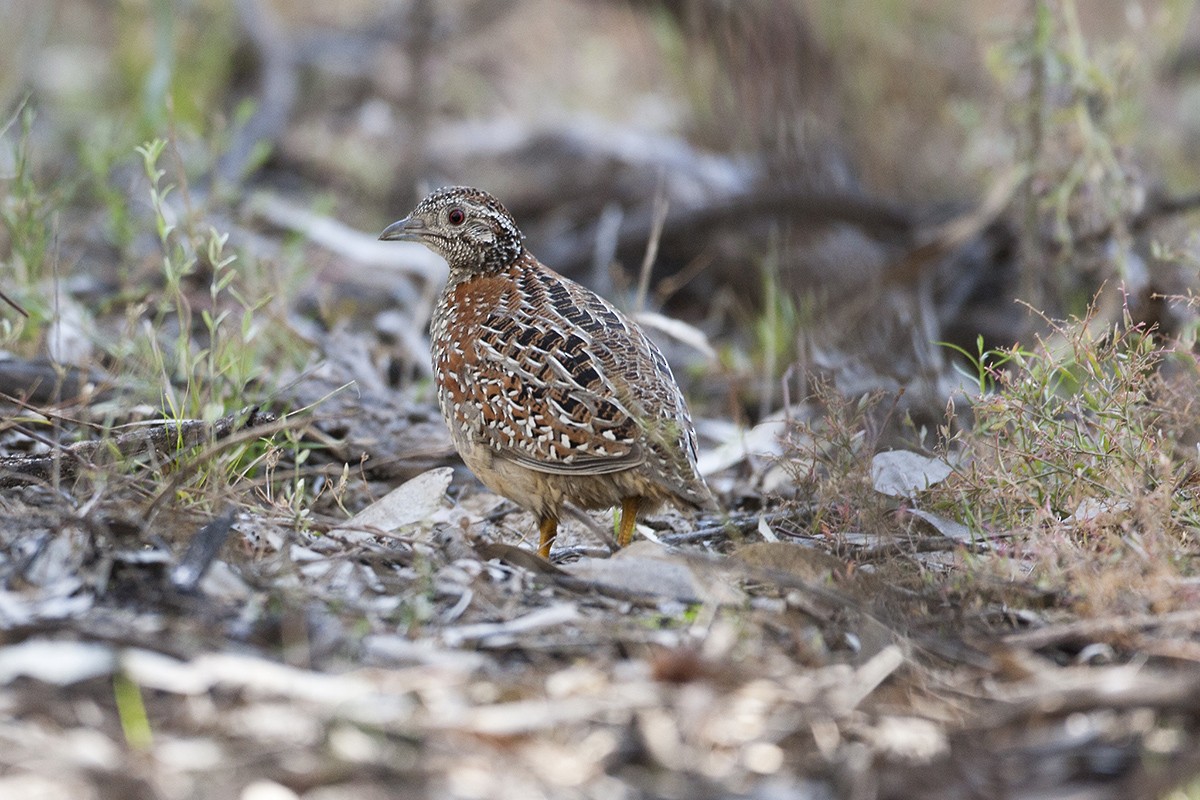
{"type": "Point", "coordinates": [456, 216]}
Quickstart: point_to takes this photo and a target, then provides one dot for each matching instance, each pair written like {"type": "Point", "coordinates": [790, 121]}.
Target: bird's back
{"type": "Point", "coordinates": [547, 373]}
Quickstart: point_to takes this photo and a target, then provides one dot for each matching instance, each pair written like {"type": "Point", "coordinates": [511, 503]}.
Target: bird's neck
{"type": "Point", "coordinates": [493, 264]}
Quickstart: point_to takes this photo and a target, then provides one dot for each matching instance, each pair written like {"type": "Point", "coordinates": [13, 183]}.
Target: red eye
{"type": "Point", "coordinates": [456, 216]}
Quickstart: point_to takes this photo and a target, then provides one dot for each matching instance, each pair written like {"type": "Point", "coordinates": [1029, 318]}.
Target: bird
{"type": "Point", "coordinates": [552, 395]}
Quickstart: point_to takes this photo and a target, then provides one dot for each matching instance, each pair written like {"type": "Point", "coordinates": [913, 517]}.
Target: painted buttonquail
{"type": "Point", "coordinates": [552, 395]}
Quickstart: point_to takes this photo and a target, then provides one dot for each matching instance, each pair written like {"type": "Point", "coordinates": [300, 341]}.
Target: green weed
{"type": "Point", "coordinates": [1080, 457]}
{"type": "Point", "coordinates": [984, 364]}
{"type": "Point", "coordinates": [27, 222]}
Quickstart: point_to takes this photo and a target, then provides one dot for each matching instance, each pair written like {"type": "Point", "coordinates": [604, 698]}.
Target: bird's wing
{"type": "Point", "coordinates": [543, 400]}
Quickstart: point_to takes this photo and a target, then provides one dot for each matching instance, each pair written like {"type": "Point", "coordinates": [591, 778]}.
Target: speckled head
{"type": "Point", "coordinates": [467, 227]}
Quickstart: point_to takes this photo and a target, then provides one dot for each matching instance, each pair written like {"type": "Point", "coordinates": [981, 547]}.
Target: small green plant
{"type": "Point", "coordinates": [26, 210]}
{"type": "Point", "coordinates": [203, 342]}
{"type": "Point", "coordinates": [27, 221]}
{"type": "Point", "coordinates": [212, 361]}
{"type": "Point", "coordinates": [775, 330]}
{"type": "Point", "coordinates": [99, 153]}
{"type": "Point", "coordinates": [1065, 426]}
{"type": "Point", "coordinates": [196, 379]}
{"type": "Point", "coordinates": [290, 495]}
{"type": "Point", "coordinates": [131, 710]}
{"type": "Point", "coordinates": [1076, 458]}
{"type": "Point", "coordinates": [984, 364]}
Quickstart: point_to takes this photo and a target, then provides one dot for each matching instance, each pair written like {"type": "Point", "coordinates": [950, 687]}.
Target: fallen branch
{"type": "Point", "coordinates": [684, 227]}
{"type": "Point", "coordinates": [158, 439]}
{"type": "Point", "coordinates": [40, 382]}
{"type": "Point", "coordinates": [1091, 630]}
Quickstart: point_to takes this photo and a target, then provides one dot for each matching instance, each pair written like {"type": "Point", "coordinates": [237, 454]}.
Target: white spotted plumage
{"type": "Point", "coordinates": [551, 394]}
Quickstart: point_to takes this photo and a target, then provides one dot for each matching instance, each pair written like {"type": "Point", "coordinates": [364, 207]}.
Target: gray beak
{"type": "Point", "coordinates": [409, 229]}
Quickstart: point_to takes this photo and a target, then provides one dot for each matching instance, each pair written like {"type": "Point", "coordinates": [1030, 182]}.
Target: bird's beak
{"type": "Point", "coordinates": [409, 229]}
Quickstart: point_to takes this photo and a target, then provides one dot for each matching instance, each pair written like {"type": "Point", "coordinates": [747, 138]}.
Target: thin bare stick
{"type": "Point", "coordinates": [16, 306]}
{"type": "Point", "coordinates": [656, 227]}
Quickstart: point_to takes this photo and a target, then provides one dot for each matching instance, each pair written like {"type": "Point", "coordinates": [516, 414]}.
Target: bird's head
{"type": "Point", "coordinates": [467, 227]}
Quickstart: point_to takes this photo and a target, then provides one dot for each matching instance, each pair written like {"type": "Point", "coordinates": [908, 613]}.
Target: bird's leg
{"type": "Point", "coordinates": [629, 509]}
{"type": "Point", "coordinates": [548, 528]}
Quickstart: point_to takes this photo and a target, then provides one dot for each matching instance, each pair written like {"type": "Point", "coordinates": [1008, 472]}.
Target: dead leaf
{"type": "Point", "coordinates": [806, 563]}
{"type": "Point", "coordinates": [645, 569]}
{"type": "Point", "coordinates": [946, 527]}
{"type": "Point", "coordinates": [678, 330]}
{"type": "Point", "coordinates": [764, 439]}
{"type": "Point", "coordinates": [61, 663]}
{"type": "Point", "coordinates": [517, 557]}
{"type": "Point", "coordinates": [413, 501]}
{"type": "Point", "coordinates": [903, 473]}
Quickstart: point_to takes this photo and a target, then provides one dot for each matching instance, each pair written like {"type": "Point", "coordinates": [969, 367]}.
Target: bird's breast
{"type": "Point", "coordinates": [457, 324]}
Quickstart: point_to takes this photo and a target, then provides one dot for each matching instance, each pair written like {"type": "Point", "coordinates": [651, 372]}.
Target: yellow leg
{"type": "Point", "coordinates": [548, 528]}
{"type": "Point", "coordinates": [629, 509]}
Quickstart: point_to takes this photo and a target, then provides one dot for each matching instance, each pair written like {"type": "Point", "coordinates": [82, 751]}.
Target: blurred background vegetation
{"type": "Point", "coordinates": [871, 195]}
{"type": "Point", "coordinates": [828, 148]}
